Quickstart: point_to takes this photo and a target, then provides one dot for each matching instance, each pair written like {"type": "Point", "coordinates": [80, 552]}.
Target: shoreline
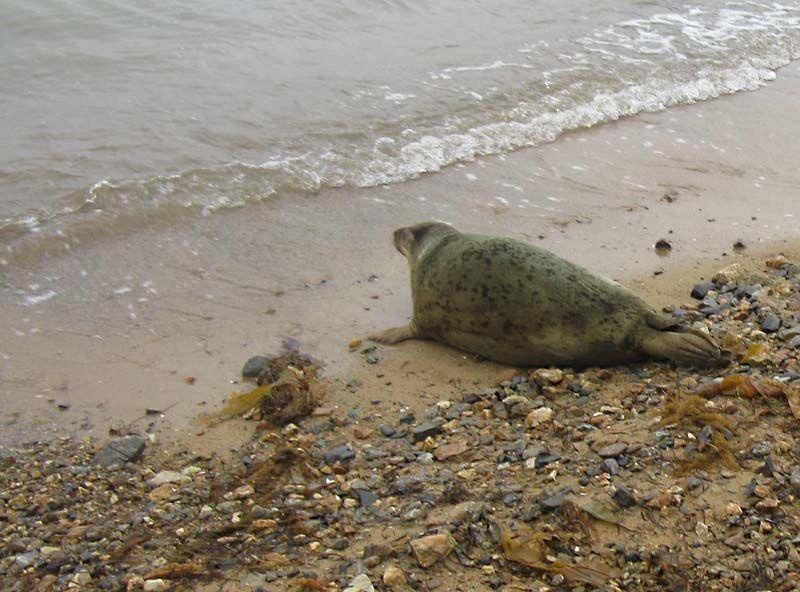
{"type": "Point", "coordinates": [166, 320]}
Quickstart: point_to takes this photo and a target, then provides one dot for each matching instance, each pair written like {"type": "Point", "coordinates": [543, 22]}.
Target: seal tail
{"type": "Point", "coordinates": [682, 344]}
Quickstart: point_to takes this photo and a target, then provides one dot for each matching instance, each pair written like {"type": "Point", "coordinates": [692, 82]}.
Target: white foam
{"type": "Point", "coordinates": [34, 299]}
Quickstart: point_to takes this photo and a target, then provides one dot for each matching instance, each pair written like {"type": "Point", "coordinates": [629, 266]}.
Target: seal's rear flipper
{"type": "Point", "coordinates": [396, 334]}
{"type": "Point", "coordinates": [685, 345]}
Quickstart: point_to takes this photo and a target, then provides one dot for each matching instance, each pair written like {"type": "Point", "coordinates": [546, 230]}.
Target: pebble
{"type": "Point", "coordinates": [341, 453]}
{"type": "Point", "coordinates": [163, 477]}
{"type": "Point", "coordinates": [612, 450]}
{"type": "Point", "coordinates": [538, 417]}
{"type": "Point", "coordinates": [255, 367]}
{"type": "Point", "coordinates": [425, 430]}
{"type": "Point", "coordinates": [770, 323]}
{"type": "Point", "coordinates": [545, 458]}
{"type": "Point", "coordinates": [611, 466]}
{"type": "Point", "coordinates": [761, 450]}
{"type": "Point", "coordinates": [360, 583]}
{"type": "Point", "coordinates": [432, 548]}
{"type": "Point", "coordinates": [394, 577]}
{"type": "Point", "coordinates": [624, 497]}
{"type": "Point", "coordinates": [120, 451]}
{"type": "Point", "coordinates": [548, 375]}
{"type": "Point", "coordinates": [699, 291]}
{"type": "Point", "coordinates": [155, 585]}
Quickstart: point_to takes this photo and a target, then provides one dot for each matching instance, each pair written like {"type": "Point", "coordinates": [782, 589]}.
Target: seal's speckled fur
{"type": "Point", "coordinates": [515, 303]}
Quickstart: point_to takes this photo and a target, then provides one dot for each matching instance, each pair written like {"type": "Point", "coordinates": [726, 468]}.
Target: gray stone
{"type": "Point", "coordinates": [700, 290]}
{"type": "Point", "coordinates": [545, 458]}
{"type": "Point", "coordinates": [611, 466]}
{"type": "Point", "coordinates": [612, 450]}
{"type": "Point", "coordinates": [789, 333]}
{"type": "Point", "coordinates": [425, 430]}
{"type": "Point", "coordinates": [761, 450]}
{"type": "Point", "coordinates": [387, 430]}
{"type": "Point", "coordinates": [255, 367]}
{"type": "Point", "coordinates": [167, 477]}
{"type": "Point", "coordinates": [341, 453]}
{"type": "Point", "coordinates": [367, 498]}
{"type": "Point", "coordinates": [770, 323]}
{"type": "Point", "coordinates": [794, 342]}
{"type": "Point", "coordinates": [120, 451]}
{"type": "Point", "coordinates": [624, 497]}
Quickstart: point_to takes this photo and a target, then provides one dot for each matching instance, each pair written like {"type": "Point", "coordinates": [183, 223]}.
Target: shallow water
{"type": "Point", "coordinates": [120, 116]}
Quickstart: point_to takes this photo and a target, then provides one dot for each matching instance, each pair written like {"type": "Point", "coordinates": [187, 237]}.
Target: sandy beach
{"type": "Point", "coordinates": [165, 319]}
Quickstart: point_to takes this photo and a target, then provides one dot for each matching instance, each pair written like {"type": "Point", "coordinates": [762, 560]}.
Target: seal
{"type": "Point", "coordinates": [518, 304]}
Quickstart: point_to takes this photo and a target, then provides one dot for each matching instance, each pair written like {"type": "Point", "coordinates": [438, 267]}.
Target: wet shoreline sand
{"type": "Point", "coordinates": [131, 320]}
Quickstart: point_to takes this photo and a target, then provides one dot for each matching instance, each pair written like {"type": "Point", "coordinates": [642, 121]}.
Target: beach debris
{"type": "Point", "coordinates": [739, 246]}
{"type": "Point", "coordinates": [533, 549]}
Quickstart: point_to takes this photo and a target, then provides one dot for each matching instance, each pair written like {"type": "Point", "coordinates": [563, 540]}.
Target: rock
{"type": "Point", "coordinates": [761, 450]}
{"type": "Point", "coordinates": [789, 333]}
{"type": "Point", "coordinates": [732, 274]}
{"type": "Point", "coordinates": [341, 453]}
{"type": "Point", "coordinates": [255, 367]}
{"type": "Point", "coordinates": [538, 417]}
{"type": "Point", "coordinates": [447, 451]}
{"type": "Point", "coordinates": [120, 451]}
{"type": "Point", "coordinates": [699, 291]}
{"type": "Point", "coordinates": [612, 450]}
{"type": "Point", "coordinates": [548, 375]}
{"type": "Point", "coordinates": [770, 323]}
{"type": "Point", "coordinates": [432, 548]}
{"type": "Point", "coordinates": [360, 583]}
{"type": "Point", "coordinates": [611, 466]}
{"type": "Point", "coordinates": [794, 342]}
{"type": "Point", "coordinates": [425, 430]}
{"type": "Point", "coordinates": [394, 577]}
{"type": "Point", "coordinates": [624, 497]}
{"type": "Point", "coordinates": [167, 477]}
{"type": "Point", "coordinates": [545, 458]}
{"type": "Point", "coordinates": [155, 585]}
{"type": "Point", "coordinates": [460, 513]}
{"type": "Point", "coordinates": [386, 430]}
{"type": "Point", "coordinates": [776, 261]}
{"type": "Point", "coordinates": [367, 498]}
{"type": "Point", "coordinates": [662, 246]}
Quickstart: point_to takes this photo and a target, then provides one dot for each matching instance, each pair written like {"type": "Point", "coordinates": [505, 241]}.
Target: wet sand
{"type": "Point", "coordinates": [117, 327]}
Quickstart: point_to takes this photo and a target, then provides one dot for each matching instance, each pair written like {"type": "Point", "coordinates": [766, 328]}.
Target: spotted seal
{"type": "Point", "coordinates": [519, 304]}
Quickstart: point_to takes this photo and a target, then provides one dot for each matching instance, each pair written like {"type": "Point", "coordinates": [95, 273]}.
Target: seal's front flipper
{"type": "Point", "coordinates": [396, 334]}
{"type": "Point", "coordinates": [683, 345]}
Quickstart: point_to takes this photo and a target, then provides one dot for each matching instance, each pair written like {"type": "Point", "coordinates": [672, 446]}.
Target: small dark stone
{"type": "Point", "coordinates": [624, 497]}
{"type": "Point", "coordinates": [339, 453]}
{"type": "Point", "coordinates": [716, 310]}
{"type": "Point", "coordinates": [699, 291]}
{"type": "Point", "coordinates": [367, 498]}
{"type": "Point", "coordinates": [120, 451]}
{"type": "Point", "coordinates": [704, 437]}
{"type": "Point", "coordinates": [694, 482]}
{"type": "Point", "coordinates": [611, 466]}
{"type": "Point", "coordinates": [770, 323]}
{"type": "Point", "coordinates": [545, 458]}
{"type": "Point", "coordinates": [512, 499]}
{"type": "Point", "coordinates": [739, 246]}
{"type": "Point", "coordinates": [554, 501]}
{"type": "Point", "coordinates": [408, 484]}
{"type": "Point", "coordinates": [255, 367]}
{"type": "Point", "coordinates": [623, 460]}
{"type": "Point", "coordinates": [387, 430]}
{"type": "Point", "coordinates": [425, 430]}
{"type": "Point", "coordinates": [612, 450]}
{"type": "Point", "coordinates": [471, 398]}
{"type": "Point", "coordinates": [768, 468]}
{"type": "Point", "coordinates": [593, 471]}
{"type": "Point", "coordinates": [761, 450]}
{"type": "Point", "coordinates": [408, 419]}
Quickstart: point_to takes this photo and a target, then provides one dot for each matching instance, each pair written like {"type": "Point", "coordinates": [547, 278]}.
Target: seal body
{"type": "Point", "coordinates": [515, 303]}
